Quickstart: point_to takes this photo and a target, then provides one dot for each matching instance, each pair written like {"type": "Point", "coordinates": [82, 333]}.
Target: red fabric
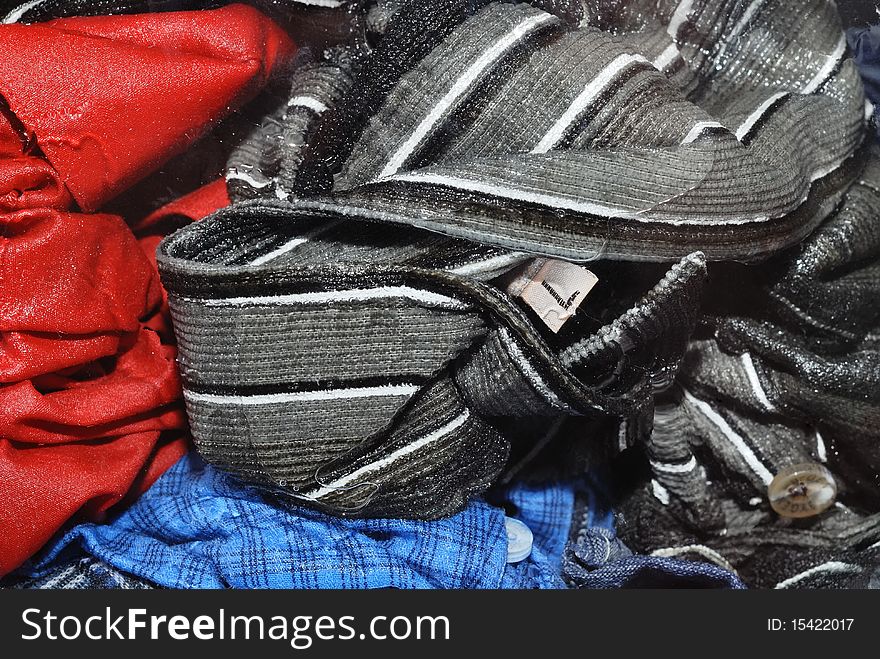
{"type": "Point", "coordinates": [111, 98]}
{"type": "Point", "coordinates": [73, 286]}
{"type": "Point", "coordinates": [195, 205]}
{"type": "Point", "coordinates": [89, 391]}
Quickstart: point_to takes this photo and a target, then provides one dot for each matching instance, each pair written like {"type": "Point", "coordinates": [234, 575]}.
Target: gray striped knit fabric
{"type": "Point", "coordinates": [79, 574]}
{"type": "Point", "coordinates": [265, 162]}
{"type": "Point", "coordinates": [359, 367]}
{"type": "Point", "coordinates": [792, 376]}
{"type": "Point", "coordinates": [343, 336]}
{"type": "Point", "coordinates": [675, 131]}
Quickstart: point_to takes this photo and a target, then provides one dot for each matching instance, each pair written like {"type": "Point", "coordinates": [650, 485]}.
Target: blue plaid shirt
{"type": "Point", "coordinates": [199, 528]}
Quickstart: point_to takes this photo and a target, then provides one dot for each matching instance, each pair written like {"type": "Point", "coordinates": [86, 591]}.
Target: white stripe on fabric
{"type": "Point", "coordinates": [383, 391]}
{"type": "Point", "coordinates": [622, 442]}
{"type": "Point", "coordinates": [310, 102]}
{"type": "Point", "coordinates": [869, 110]}
{"type": "Point", "coordinates": [755, 117]}
{"type": "Point", "coordinates": [679, 17]}
{"type": "Point", "coordinates": [235, 175]}
{"type": "Point", "coordinates": [702, 550]}
{"type": "Point", "coordinates": [553, 201]}
{"type": "Point", "coordinates": [666, 58]}
{"type": "Point", "coordinates": [752, 375]}
{"type": "Point", "coordinates": [18, 12]}
{"type": "Point", "coordinates": [675, 468]}
{"type": "Point", "coordinates": [590, 92]}
{"type": "Point", "coordinates": [830, 566]}
{"type": "Point", "coordinates": [294, 243]}
{"type": "Point", "coordinates": [329, 297]}
{"type": "Point", "coordinates": [528, 370]}
{"type": "Point", "coordinates": [738, 28]}
{"type": "Point", "coordinates": [822, 172]}
{"type": "Point", "coordinates": [825, 72]}
{"type": "Point", "coordinates": [820, 447]}
{"type": "Point", "coordinates": [660, 493]}
{"type": "Point", "coordinates": [746, 17]}
{"type": "Point", "coordinates": [330, 4]}
{"type": "Point", "coordinates": [275, 253]}
{"type": "Point", "coordinates": [755, 501]}
{"type": "Point", "coordinates": [471, 74]}
{"type": "Point", "coordinates": [738, 442]}
{"type": "Point", "coordinates": [491, 264]}
{"type": "Point", "coordinates": [392, 457]}
{"type": "Point", "coordinates": [698, 129]}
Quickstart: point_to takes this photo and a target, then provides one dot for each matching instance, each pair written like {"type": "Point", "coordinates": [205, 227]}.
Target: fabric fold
{"type": "Point", "coordinates": [162, 82]}
{"type": "Point", "coordinates": [88, 381]}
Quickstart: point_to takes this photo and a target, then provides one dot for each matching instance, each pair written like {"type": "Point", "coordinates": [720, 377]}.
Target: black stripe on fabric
{"type": "Point", "coordinates": [416, 29]}
{"type": "Point", "coordinates": [658, 239]}
{"type": "Point", "coordinates": [760, 123]}
{"type": "Point", "coordinates": [705, 81]}
{"type": "Point", "coordinates": [678, 64]}
{"type": "Point", "coordinates": [221, 287]}
{"type": "Point", "coordinates": [305, 386]}
{"type": "Point", "coordinates": [714, 133]}
{"type": "Point", "coordinates": [185, 280]}
{"type": "Point", "coordinates": [452, 253]}
{"type": "Point", "coordinates": [689, 37]}
{"type": "Point", "coordinates": [179, 280]}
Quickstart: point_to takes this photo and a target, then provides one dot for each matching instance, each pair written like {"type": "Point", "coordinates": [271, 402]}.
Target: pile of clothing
{"type": "Point", "coordinates": [437, 293]}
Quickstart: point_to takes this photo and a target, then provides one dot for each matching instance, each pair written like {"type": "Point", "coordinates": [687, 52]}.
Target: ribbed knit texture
{"type": "Point", "coordinates": [789, 374]}
{"type": "Point", "coordinates": [343, 339]}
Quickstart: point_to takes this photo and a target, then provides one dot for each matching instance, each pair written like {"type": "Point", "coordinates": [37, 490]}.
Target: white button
{"type": "Point", "coordinates": [802, 490]}
{"type": "Point", "coordinates": [519, 540]}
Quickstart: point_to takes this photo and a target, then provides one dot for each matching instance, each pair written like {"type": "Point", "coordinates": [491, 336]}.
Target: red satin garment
{"type": "Point", "coordinates": [90, 401]}
{"type": "Point", "coordinates": [112, 98]}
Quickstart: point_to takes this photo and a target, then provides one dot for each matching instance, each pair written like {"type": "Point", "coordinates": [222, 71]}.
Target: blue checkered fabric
{"type": "Point", "coordinates": [200, 528]}
{"type": "Point", "coordinates": [547, 510]}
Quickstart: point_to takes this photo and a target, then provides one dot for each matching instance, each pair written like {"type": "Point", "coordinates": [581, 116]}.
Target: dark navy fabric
{"type": "Point", "coordinates": [598, 559]}
{"type": "Point", "coordinates": [864, 42]}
